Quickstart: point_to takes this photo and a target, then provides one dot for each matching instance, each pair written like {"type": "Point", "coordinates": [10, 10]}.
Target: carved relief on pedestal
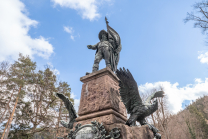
{"type": "Point", "coordinates": [100, 92]}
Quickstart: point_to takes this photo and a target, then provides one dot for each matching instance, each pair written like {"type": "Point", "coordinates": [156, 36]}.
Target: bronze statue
{"type": "Point", "coordinates": [137, 109]}
{"type": "Point", "coordinates": [69, 106]}
{"type": "Point", "coordinates": [108, 48]}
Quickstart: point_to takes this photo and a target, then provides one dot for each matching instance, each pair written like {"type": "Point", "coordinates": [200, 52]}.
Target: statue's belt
{"type": "Point", "coordinates": [105, 46]}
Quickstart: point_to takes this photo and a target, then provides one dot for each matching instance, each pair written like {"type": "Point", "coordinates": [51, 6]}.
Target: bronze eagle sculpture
{"type": "Point", "coordinates": [137, 109]}
{"type": "Point", "coordinates": [69, 106]}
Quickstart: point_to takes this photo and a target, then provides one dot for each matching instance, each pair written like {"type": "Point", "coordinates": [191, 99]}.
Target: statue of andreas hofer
{"type": "Point", "coordinates": [108, 48]}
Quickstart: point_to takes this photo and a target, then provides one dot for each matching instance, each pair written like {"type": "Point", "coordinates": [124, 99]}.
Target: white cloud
{"type": "Point", "coordinates": [203, 58]}
{"type": "Point", "coordinates": [87, 8]}
{"type": "Point", "coordinates": [176, 95]}
{"type": "Point", "coordinates": [70, 31]}
{"type": "Point", "coordinates": [76, 102]}
{"type": "Point", "coordinates": [54, 70]}
{"type": "Point", "coordinates": [14, 37]}
{"type": "Point", "coordinates": [198, 80]}
{"type": "Point", "coordinates": [72, 37]}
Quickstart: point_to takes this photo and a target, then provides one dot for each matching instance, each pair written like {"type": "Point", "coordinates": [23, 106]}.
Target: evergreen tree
{"type": "Point", "coordinates": [200, 121]}
{"type": "Point", "coordinates": [191, 129]}
{"type": "Point", "coordinates": [5, 96]}
{"type": "Point", "coordinates": [19, 75]}
{"type": "Point", "coordinates": [38, 113]}
{"type": "Point", "coordinates": [27, 100]}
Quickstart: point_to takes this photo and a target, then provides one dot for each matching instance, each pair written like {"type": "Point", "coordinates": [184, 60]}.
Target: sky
{"type": "Point", "coordinates": [157, 46]}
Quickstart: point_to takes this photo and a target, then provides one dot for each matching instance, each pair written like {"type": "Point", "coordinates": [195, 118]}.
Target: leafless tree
{"type": "Point", "coordinates": [200, 16]}
{"type": "Point", "coordinates": [161, 117]}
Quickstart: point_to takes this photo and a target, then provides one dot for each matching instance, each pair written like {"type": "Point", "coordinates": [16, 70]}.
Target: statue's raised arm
{"type": "Point", "coordinates": [93, 47]}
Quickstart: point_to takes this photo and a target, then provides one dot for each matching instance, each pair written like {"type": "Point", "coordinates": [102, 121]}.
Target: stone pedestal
{"type": "Point", "coordinates": [134, 132]}
{"type": "Point", "coordinates": [100, 99]}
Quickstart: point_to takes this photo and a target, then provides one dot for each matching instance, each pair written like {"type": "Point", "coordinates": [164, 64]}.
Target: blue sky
{"type": "Point", "coordinates": [158, 47]}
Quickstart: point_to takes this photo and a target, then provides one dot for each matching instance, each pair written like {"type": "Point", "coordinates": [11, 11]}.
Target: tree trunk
{"type": "Point", "coordinates": [160, 122]}
{"type": "Point", "coordinates": [5, 128]}
{"type": "Point", "coordinates": [35, 124]}
{"type": "Point", "coordinates": [57, 126]}
{"type": "Point", "coordinates": [153, 119]}
{"type": "Point", "coordinates": [11, 118]}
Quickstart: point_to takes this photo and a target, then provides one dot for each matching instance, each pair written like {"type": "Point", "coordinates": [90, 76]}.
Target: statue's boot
{"type": "Point", "coordinates": [109, 65]}
{"type": "Point", "coordinates": [95, 69]}
{"type": "Point", "coordinates": [87, 73]}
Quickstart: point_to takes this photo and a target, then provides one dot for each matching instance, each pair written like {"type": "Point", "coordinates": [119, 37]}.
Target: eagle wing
{"type": "Point", "coordinates": [69, 106]}
{"type": "Point", "coordinates": [128, 90]}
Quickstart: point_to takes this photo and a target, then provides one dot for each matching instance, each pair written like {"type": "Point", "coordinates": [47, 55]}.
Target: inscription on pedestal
{"type": "Point", "coordinates": [95, 130]}
{"type": "Point", "coordinates": [86, 133]}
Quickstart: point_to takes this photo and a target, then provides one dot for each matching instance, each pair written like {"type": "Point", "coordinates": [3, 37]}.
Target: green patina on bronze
{"type": "Point", "coordinates": [95, 130]}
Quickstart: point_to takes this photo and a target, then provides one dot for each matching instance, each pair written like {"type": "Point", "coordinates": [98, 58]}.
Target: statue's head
{"type": "Point", "coordinates": [103, 35]}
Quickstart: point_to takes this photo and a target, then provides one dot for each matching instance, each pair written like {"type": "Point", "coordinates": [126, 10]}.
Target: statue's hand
{"type": "Point", "coordinates": [89, 46]}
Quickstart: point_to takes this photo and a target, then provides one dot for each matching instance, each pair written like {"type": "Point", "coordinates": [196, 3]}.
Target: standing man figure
{"type": "Point", "coordinates": [108, 48]}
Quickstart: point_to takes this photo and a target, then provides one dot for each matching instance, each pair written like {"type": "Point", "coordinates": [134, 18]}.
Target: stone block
{"type": "Point", "coordinates": [101, 114]}
{"type": "Point", "coordinates": [134, 132]}
{"type": "Point", "coordinates": [105, 119]}
{"type": "Point", "coordinates": [100, 92]}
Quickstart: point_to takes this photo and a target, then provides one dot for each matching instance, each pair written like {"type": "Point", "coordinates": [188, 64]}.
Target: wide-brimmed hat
{"type": "Point", "coordinates": [101, 33]}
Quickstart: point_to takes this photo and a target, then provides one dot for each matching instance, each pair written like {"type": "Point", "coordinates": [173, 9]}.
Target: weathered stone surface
{"type": "Point", "coordinates": [100, 92]}
{"type": "Point", "coordinates": [134, 132]}
{"type": "Point", "coordinates": [101, 113]}
{"type": "Point", "coordinates": [127, 132]}
{"type": "Point", "coordinates": [106, 120]}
